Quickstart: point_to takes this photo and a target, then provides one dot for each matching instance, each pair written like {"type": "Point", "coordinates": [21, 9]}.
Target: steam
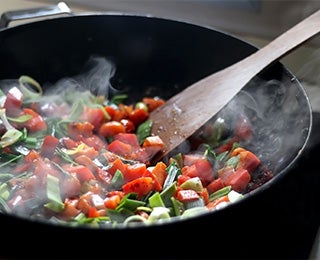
{"type": "Point", "coordinates": [96, 79]}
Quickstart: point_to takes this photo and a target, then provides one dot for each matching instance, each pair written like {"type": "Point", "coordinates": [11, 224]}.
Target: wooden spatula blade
{"type": "Point", "coordinates": [186, 112]}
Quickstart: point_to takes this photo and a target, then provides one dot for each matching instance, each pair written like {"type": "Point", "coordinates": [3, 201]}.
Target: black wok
{"type": "Point", "coordinates": [158, 56]}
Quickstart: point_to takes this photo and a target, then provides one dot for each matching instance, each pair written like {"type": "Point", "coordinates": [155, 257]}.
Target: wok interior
{"type": "Point", "coordinates": [159, 57]}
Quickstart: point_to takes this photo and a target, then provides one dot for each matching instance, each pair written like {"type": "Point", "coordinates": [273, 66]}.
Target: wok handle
{"type": "Point", "coordinates": [9, 16]}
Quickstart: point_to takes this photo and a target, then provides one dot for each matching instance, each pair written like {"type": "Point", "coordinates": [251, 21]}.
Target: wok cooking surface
{"type": "Point", "coordinates": [280, 223]}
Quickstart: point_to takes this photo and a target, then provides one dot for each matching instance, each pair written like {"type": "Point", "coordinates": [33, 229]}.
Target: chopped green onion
{"type": "Point", "coordinates": [219, 193]}
{"type": "Point", "coordinates": [53, 193]}
{"type": "Point", "coordinates": [155, 200]}
{"type": "Point", "coordinates": [30, 88]}
{"type": "Point", "coordinates": [173, 171]}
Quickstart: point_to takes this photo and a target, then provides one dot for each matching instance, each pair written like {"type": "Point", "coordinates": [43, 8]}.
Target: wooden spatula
{"type": "Point", "coordinates": [183, 114]}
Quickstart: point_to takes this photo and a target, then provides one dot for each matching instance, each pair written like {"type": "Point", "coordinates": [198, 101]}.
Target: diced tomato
{"type": "Point", "coordinates": [205, 195]}
{"type": "Point", "coordinates": [70, 209]}
{"type": "Point", "coordinates": [43, 167]}
{"type": "Point", "coordinates": [83, 173]}
{"type": "Point", "coordinates": [36, 122]}
{"type": "Point", "coordinates": [225, 172]}
{"type": "Point", "coordinates": [202, 169]}
{"type": "Point", "coordinates": [49, 146]}
{"type": "Point", "coordinates": [248, 160]}
{"type": "Point", "coordinates": [93, 141]}
{"type": "Point", "coordinates": [120, 148]}
{"type": "Point", "coordinates": [215, 185]}
{"type": "Point", "coordinates": [69, 143]}
{"type": "Point", "coordinates": [159, 171]}
{"type": "Point", "coordinates": [70, 186]}
{"type": "Point", "coordinates": [239, 180]}
{"type": "Point", "coordinates": [187, 195]}
{"type": "Point", "coordinates": [141, 186]}
{"type": "Point", "coordinates": [104, 176]}
{"type": "Point", "coordinates": [153, 103]}
{"type": "Point", "coordinates": [95, 116]}
{"type": "Point", "coordinates": [137, 116]}
{"type": "Point", "coordinates": [134, 171]}
{"type": "Point", "coordinates": [80, 128]}
{"type": "Point", "coordinates": [31, 156]}
{"type": "Point", "coordinates": [86, 161]}
{"type": "Point", "coordinates": [182, 178]}
{"type": "Point", "coordinates": [227, 146]}
{"type": "Point", "coordinates": [189, 159]}
{"type": "Point", "coordinates": [152, 145]}
{"type": "Point", "coordinates": [112, 202]}
{"type": "Point", "coordinates": [157, 186]}
{"type": "Point", "coordinates": [128, 138]}
{"type": "Point", "coordinates": [117, 164]}
{"type": "Point", "coordinates": [111, 128]}
{"type": "Point", "coordinates": [128, 125]}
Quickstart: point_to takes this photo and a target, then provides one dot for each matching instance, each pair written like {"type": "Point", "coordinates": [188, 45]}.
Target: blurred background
{"type": "Point", "coordinates": [255, 21]}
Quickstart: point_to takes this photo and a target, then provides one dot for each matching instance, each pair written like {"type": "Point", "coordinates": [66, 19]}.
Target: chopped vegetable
{"type": "Point", "coordinates": [87, 161]}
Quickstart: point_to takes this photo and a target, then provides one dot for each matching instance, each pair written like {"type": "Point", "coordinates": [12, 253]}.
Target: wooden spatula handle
{"type": "Point", "coordinates": [186, 112]}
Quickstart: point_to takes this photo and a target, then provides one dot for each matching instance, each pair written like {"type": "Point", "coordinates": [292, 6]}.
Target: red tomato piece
{"type": "Point", "coordinates": [95, 116]}
{"type": "Point", "coordinates": [160, 172]}
{"type": "Point", "coordinates": [141, 186]}
{"type": "Point", "coordinates": [49, 146]}
{"type": "Point", "coordinates": [137, 116]}
{"type": "Point", "coordinates": [120, 148]}
{"type": "Point", "coordinates": [134, 171]}
{"type": "Point", "coordinates": [83, 173]}
{"type": "Point", "coordinates": [128, 138]}
{"type": "Point", "coordinates": [239, 180]}
{"type": "Point", "coordinates": [187, 195]}
{"type": "Point", "coordinates": [248, 160]}
{"type": "Point", "coordinates": [111, 128]}
{"type": "Point", "coordinates": [153, 103]}
{"type": "Point", "coordinates": [117, 164]}
{"type": "Point", "coordinates": [215, 185]}
{"type": "Point", "coordinates": [36, 123]}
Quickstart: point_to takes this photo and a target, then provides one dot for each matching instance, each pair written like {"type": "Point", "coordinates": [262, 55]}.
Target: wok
{"type": "Point", "coordinates": [157, 56]}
